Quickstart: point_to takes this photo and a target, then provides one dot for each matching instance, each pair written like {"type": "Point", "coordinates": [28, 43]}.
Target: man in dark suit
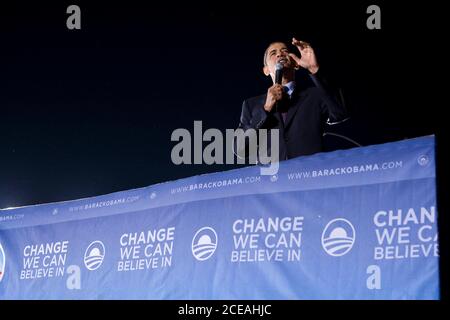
{"type": "Point", "coordinates": [299, 114]}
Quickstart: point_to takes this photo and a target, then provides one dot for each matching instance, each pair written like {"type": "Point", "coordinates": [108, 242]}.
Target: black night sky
{"type": "Point", "coordinates": [91, 111]}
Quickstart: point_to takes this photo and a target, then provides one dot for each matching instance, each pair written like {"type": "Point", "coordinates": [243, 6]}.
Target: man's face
{"type": "Point", "coordinates": [277, 52]}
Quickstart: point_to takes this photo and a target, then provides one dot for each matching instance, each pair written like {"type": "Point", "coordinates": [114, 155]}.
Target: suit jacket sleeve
{"type": "Point", "coordinates": [250, 120]}
{"type": "Point", "coordinates": [333, 106]}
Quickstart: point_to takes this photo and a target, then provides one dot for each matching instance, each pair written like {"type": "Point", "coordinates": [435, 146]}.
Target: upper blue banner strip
{"type": "Point", "coordinates": [376, 164]}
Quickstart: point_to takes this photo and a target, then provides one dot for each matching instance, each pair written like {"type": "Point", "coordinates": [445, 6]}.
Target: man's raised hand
{"type": "Point", "coordinates": [308, 58]}
{"type": "Point", "coordinates": [274, 94]}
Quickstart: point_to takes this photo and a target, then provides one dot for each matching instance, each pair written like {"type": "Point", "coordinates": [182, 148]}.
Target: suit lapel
{"type": "Point", "coordinates": [293, 108]}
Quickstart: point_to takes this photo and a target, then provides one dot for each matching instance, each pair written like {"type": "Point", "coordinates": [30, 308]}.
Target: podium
{"type": "Point", "coordinates": [349, 224]}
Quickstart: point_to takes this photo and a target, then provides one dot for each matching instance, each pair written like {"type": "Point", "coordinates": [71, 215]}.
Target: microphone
{"type": "Point", "coordinates": [341, 136]}
{"type": "Point", "coordinates": [278, 77]}
{"type": "Point", "coordinates": [278, 73]}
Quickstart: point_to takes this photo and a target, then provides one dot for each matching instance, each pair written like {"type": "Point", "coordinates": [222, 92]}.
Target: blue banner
{"type": "Point", "coordinates": [351, 224]}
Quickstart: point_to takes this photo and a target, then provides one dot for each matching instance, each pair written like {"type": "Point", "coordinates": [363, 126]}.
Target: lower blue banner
{"type": "Point", "coordinates": [351, 224]}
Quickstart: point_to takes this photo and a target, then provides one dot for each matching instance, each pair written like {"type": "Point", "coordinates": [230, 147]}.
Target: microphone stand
{"type": "Point", "coordinates": [341, 136]}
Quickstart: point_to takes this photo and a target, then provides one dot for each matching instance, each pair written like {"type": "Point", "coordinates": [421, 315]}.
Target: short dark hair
{"type": "Point", "coordinates": [267, 49]}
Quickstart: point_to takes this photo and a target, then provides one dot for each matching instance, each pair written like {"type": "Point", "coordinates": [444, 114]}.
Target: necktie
{"type": "Point", "coordinates": [284, 114]}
